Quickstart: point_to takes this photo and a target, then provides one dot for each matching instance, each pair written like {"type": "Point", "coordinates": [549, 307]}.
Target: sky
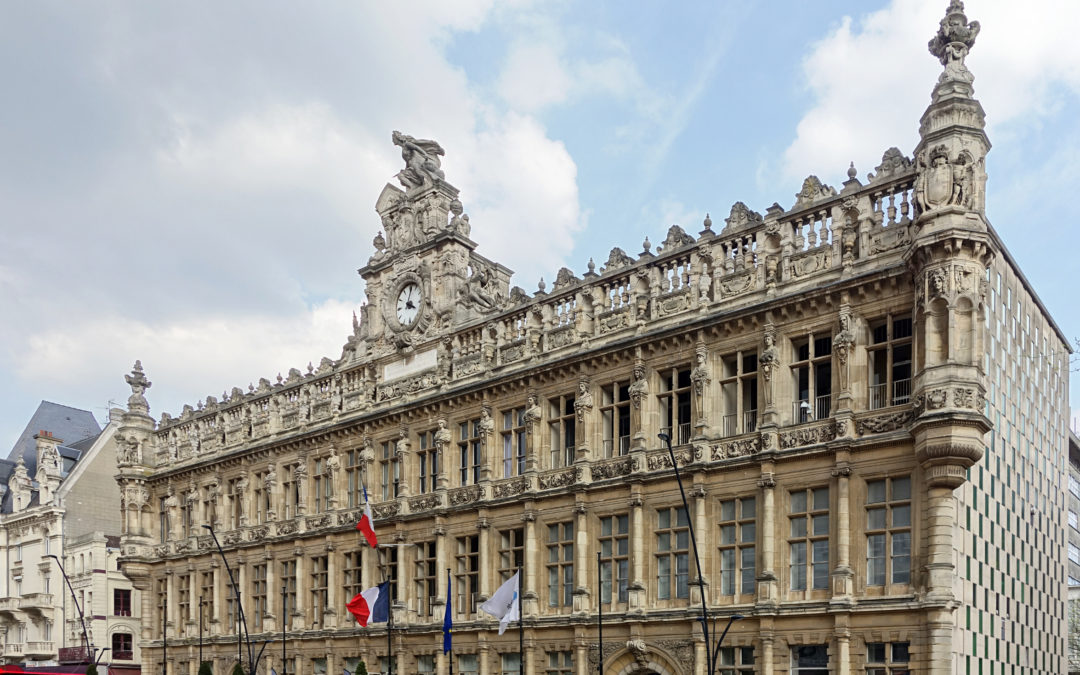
{"type": "Point", "coordinates": [193, 184]}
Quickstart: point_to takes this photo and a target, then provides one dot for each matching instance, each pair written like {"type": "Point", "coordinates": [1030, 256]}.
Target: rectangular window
{"type": "Point", "coordinates": [234, 495]}
{"type": "Point", "coordinates": [884, 658]}
{"type": "Point", "coordinates": [322, 487]}
{"type": "Point", "coordinates": [206, 594]}
{"type": "Point", "coordinates": [1072, 519]}
{"type": "Point", "coordinates": [354, 481]}
{"type": "Point", "coordinates": [739, 392]}
{"type": "Point", "coordinates": [674, 400]}
{"type": "Point", "coordinates": [121, 602]}
{"type": "Point", "coordinates": [513, 436]}
{"type": "Point", "coordinates": [811, 371]}
{"type": "Point", "coordinates": [425, 665]}
{"type": "Point", "coordinates": [889, 361]}
{"type": "Point", "coordinates": [888, 531]}
{"type": "Point", "coordinates": [388, 663]}
{"type": "Point", "coordinates": [162, 591]}
{"type": "Point", "coordinates": [164, 525]}
{"type": "Point", "coordinates": [738, 534]}
{"type": "Point", "coordinates": [560, 564]}
{"type": "Point", "coordinates": [427, 458]}
{"type": "Point", "coordinates": [467, 664]}
{"type": "Point", "coordinates": [1074, 486]}
{"type": "Point", "coordinates": [389, 471]}
{"type": "Point", "coordinates": [672, 554]}
{"type": "Point", "coordinates": [388, 559]}
{"type": "Point", "coordinates": [736, 661]}
{"type": "Point", "coordinates": [561, 420]}
{"type": "Point", "coordinates": [615, 418]}
{"type": "Point", "coordinates": [258, 595]}
{"type": "Point", "coordinates": [467, 574]}
{"type": "Point", "coordinates": [511, 552]}
{"type": "Point", "coordinates": [319, 576]}
{"type": "Point", "coordinates": [262, 498]}
{"type": "Point", "coordinates": [470, 451]}
{"type": "Point", "coordinates": [614, 558]}
{"type": "Point", "coordinates": [560, 663]}
{"type": "Point", "coordinates": [187, 513]}
{"type": "Point", "coordinates": [183, 603]}
{"type": "Point", "coordinates": [810, 660]}
{"type": "Point", "coordinates": [1074, 553]}
{"type": "Point", "coordinates": [808, 539]}
{"type": "Point", "coordinates": [352, 574]}
{"type": "Point", "coordinates": [122, 646]}
{"type": "Point", "coordinates": [511, 663]}
{"type": "Point", "coordinates": [288, 582]}
{"type": "Point", "coordinates": [424, 576]}
{"type": "Point", "coordinates": [290, 490]}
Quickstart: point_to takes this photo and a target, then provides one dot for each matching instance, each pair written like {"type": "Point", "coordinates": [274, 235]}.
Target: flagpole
{"type": "Point", "coordinates": [284, 618]}
{"type": "Point", "coordinates": [450, 654]}
{"type": "Point", "coordinates": [600, 610]}
{"type": "Point", "coordinates": [521, 627]}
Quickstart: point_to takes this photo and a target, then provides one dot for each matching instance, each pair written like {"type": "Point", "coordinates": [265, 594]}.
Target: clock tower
{"type": "Point", "coordinates": [424, 279]}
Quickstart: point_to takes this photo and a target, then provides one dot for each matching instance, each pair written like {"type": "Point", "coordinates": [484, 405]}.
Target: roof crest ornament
{"type": "Point", "coordinates": [422, 164]}
{"type": "Point", "coordinates": [955, 38]}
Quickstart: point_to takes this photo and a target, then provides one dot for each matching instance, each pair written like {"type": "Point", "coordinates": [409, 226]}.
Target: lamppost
{"type": "Point", "coordinates": [82, 618]}
{"type": "Point", "coordinates": [241, 633]}
{"type": "Point", "coordinates": [711, 655]}
{"type": "Point", "coordinates": [202, 603]}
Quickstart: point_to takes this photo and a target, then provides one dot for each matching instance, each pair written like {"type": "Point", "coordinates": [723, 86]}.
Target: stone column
{"type": "Point", "coordinates": [484, 528]}
{"type": "Point", "coordinates": [399, 543]}
{"type": "Point", "coordinates": [843, 577]}
{"type": "Point", "coordinates": [403, 455]}
{"type": "Point", "coordinates": [636, 584]}
{"type": "Point", "coordinates": [172, 616]}
{"type": "Point", "coordinates": [581, 657]}
{"type": "Point", "coordinates": [482, 656]}
{"type": "Point", "coordinates": [531, 605]}
{"type": "Point", "coordinates": [582, 552]}
{"type": "Point", "coordinates": [298, 619]}
{"type": "Point", "coordinates": [241, 583]}
{"type": "Point", "coordinates": [273, 593]}
{"type": "Point", "coordinates": [704, 540]}
{"type": "Point", "coordinates": [766, 657]}
{"type": "Point", "coordinates": [843, 649]}
{"type": "Point", "coordinates": [529, 662]}
{"type": "Point", "coordinates": [940, 520]}
{"type": "Point", "coordinates": [215, 619]}
{"type": "Point", "coordinates": [768, 592]}
{"type": "Point", "coordinates": [333, 590]}
{"type": "Point", "coordinates": [699, 654]}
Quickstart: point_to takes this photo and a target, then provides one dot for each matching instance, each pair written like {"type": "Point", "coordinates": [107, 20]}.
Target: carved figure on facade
{"type": "Point", "coordinates": [843, 342]}
{"type": "Point", "coordinates": [533, 413]}
{"type": "Point", "coordinates": [937, 282]}
{"type": "Point", "coordinates": [813, 190]}
{"type": "Point", "coordinates": [704, 284]}
{"type": "Point", "coordinates": [741, 218]}
{"type": "Point", "coordinates": [639, 387]}
{"type": "Point", "coordinates": [459, 220]}
{"type": "Point", "coordinates": [699, 376]}
{"type": "Point", "coordinates": [942, 181]}
{"type": "Point", "coordinates": [422, 163]}
{"type": "Point", "coordinates": [583, 404]}
{"type": "Point", "coordinates": [770, 357]}
{"type": "Point", "coordinates": [139, 384]}
{"type": "Point", "coordinates": [480, 290]}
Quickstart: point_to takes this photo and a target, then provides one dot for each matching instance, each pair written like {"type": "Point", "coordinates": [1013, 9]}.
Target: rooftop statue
{"type": "Point", "coordinates": [954, 39]}
{"type": "Point", "coordinates": [421, 161]}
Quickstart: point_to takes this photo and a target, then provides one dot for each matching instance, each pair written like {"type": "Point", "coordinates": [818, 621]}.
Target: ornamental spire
{"type": "Point", "coordinates": [955, 38]}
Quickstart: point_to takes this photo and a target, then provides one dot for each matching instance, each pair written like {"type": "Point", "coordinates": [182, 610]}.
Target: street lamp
{"type": "Point", "coordinates": [666, 438]}
{"type": "Point", "coordinates": [716, 651]}
{"type": "Point", "coordinates": [240, 634]}
{"type": "Point", "coordinates": [82, 618]}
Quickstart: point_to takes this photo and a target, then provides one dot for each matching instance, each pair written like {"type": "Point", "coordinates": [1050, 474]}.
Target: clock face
{"type": "Point", "coordinates": [408, 304]}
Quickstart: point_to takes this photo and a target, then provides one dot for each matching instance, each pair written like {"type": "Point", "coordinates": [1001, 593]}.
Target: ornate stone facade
{"type": "Point", "coordinates": [819, 370]}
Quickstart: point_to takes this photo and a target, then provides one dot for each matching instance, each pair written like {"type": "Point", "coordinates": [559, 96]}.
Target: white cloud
{"type": "Point", "coordinates": [533, 77]}
{"type": "Point", "coordinates": [871, 78]}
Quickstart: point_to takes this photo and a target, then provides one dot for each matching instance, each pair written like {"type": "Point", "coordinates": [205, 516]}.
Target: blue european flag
{"type": "Point", "coordinates": [448, 621]}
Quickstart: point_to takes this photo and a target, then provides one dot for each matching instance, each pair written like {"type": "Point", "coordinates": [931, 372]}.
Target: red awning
{"type": "Point", "coordinates": [125, 670]}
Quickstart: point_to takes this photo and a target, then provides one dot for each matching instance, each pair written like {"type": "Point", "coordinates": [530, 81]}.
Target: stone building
{"type": "Point", "coordinates": [866, 400]}
{"type": "Point", "coordinates": [56, 506]}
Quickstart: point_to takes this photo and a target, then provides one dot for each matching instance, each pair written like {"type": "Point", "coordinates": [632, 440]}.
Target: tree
{"type": "Point", "coordinates": [205, 669]}
{"type": "Point", "coordinates": [361, 669]}
{"type": "Point", "coordinates": [238, 669]}
{"type": "Point", "coordinates": [91, 670]}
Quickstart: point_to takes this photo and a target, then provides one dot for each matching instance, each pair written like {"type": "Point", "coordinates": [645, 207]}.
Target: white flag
{"type": "Point", "coordinates": [505, 604]}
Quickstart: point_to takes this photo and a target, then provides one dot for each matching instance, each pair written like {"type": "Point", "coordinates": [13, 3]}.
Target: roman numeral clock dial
{"type": "Point", "coordinates": [408, 305]}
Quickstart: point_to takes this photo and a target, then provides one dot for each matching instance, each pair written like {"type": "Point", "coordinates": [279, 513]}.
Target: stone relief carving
{"type": "Point", "coordinates": [565, 277]}
{"type": "Point", "coordinates": [893, 163]}
{"type": "Point", "coordinates": [465, 495]}
{"type": "Point", "coordinates": [808, 436]}
{"type": "Point", "coordinates": [737, 448]}
{"type": "Point", "coordinates": [810, 262]}
{"type": "Point", "coordinates": [511, 488]}
{"type": "Point", "coordinates": [944, 181]}
{"type": "Point", "coordinates": [387, 510]}
{"type": "Point", "coordinates": [560, 478]}
{"type": "Point", "coordinates": [480, 291]}
{"type": "Point", "coordinates": [741, 218]}
{"type": "Point", "coordinates": [616, 260]}
{"type": "Point", "coordinates": [883, 423]}
{"type": "Point", "coordinates": [813, 190]}
{"type": "Point", "coordinates": [676, 238]}
{"type": "Point", "coordinates": [425, 502]}
{"type": "Point", "coordinates": [622, 467]}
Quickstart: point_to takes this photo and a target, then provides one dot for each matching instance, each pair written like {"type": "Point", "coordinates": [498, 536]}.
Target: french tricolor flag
{"type": "Point", "coordinates": [367, 523]}
{"type": "Point", "coordinates": [371, 605]}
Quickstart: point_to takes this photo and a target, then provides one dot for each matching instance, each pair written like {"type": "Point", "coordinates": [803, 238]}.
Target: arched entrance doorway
{"type": "Point", "coordinates": [642, 658]}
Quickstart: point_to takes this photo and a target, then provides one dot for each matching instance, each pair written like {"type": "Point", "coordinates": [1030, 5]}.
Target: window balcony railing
{"type": "Point", "coordinates": [682, 437]}
{"type": "Point", "coordinates": [749, 421]}
{"type": "Point", "coordinates": [879, 394]}
{"type": "Point", "coordinates": [732, 426]}
{"type": "Point", "coordinates": [13, 649]}
{"type": "Point", "coordinates": [622, 443]}
{"type": "Point", "coordinates": [807, 410]}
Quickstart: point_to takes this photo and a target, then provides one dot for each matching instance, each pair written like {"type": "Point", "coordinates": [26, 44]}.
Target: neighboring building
{"type": "Point", "coordinates": [57, 500]}
{"type": "Point", "coordinates": [828, 375]}
{"type": "Point", "coordinates": [1074, 554]}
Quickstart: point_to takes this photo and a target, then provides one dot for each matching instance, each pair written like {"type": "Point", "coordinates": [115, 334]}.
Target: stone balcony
{"type": "Point", "coordinates": [13, 650]}
{"type": "Point", "coordinates": [36, 602]}
{"type": "Point", "coordinates": [40, 649]}
{"type": "Point", "coordinates": [9, 605]}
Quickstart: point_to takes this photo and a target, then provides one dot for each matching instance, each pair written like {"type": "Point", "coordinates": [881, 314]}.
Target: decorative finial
{"type": "Point", "coordinates": [279, 378]}
{"type": "Point", "coordinates": [251, 387]}
{"type": "Point", "coordinates": [954, 39]}
{"type": "Point", "coordinates": [139, 384]}
{"type": "Point", "coordinates": [708, 222]}
{"type": "Point", "coordinates": [646, 245]}
{"type": "Point", "coordinates": [541, 286]}
{"type": "Point", "coordinates": [592, 266]}
{"type": "Point", "coordinates": [851, 172]}
{"type": "Point", "coordinates": [310, 368]}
